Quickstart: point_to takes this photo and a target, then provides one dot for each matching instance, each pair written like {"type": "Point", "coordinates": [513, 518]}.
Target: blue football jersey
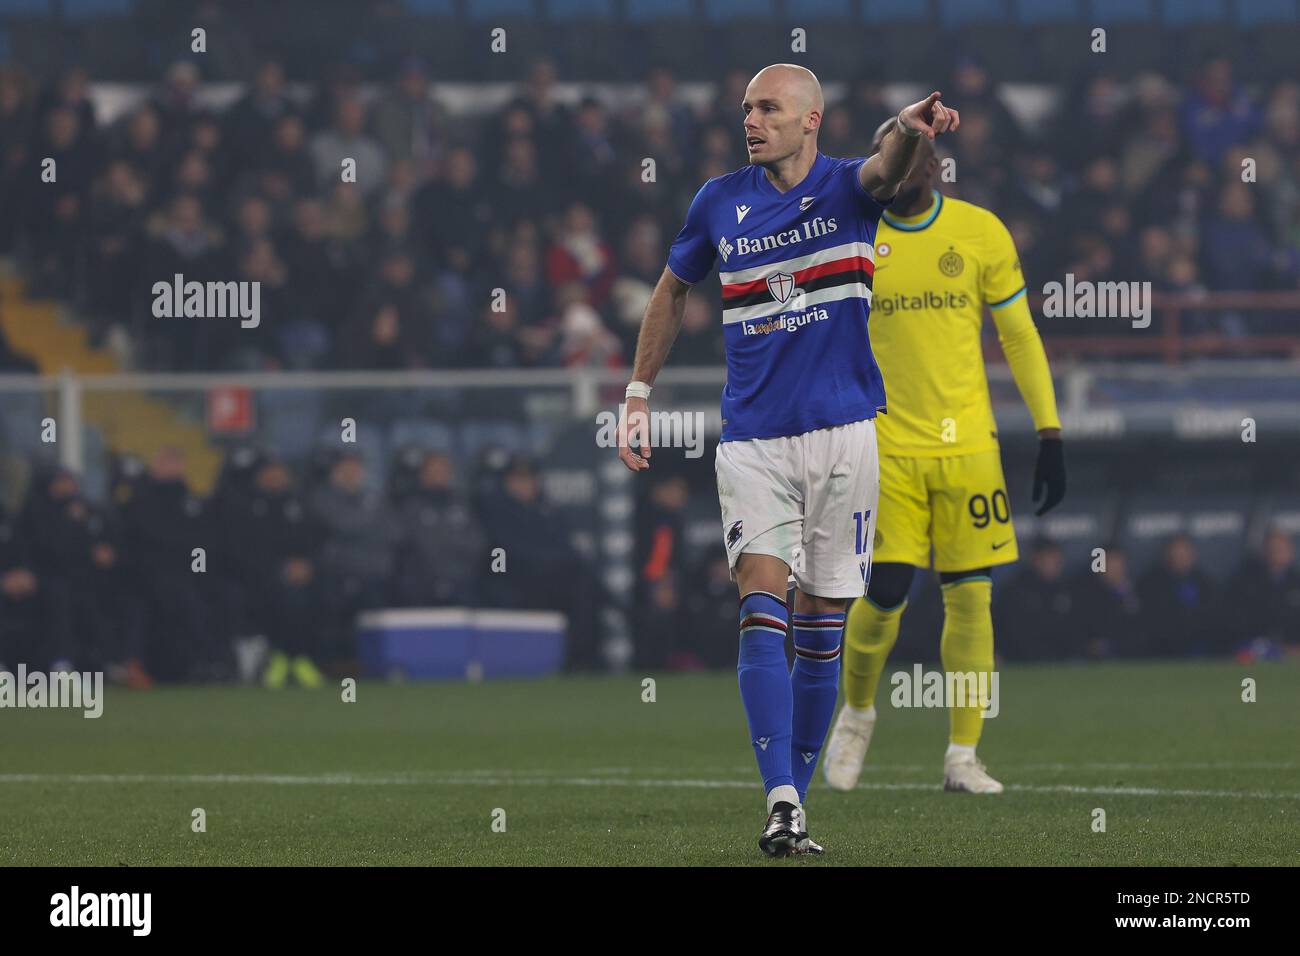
{"type": "Point", "coordinates": [796, 271]}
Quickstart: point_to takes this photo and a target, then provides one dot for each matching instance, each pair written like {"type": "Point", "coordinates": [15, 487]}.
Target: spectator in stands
{"type": "Point", "coordinates": [1180, 605]}
{"type": "Point", "coordinates": [973, 87]}
{"type": "Point", "coordinates": [1237, 249]}
{"type": "Point", "coordinates": [663, 109]}
{"type": "Point", "coordinates": [347, 140]}
{"type": "Point", "coordinates": [1107, 614]}
{"type": "Point", "coordinates": [584, 339]}
{"type": "Point", "coordinates": [708, 598]}
{"type": "Point", "coordinates": [1033, 613]}
{"type": "Point", "coordinates": [552, 121]}
{"type": "Point", "coordinates": [361, 536]}
{"type": "Point", "coordinates": [36, 626]}
{"type": "Point", "coordinates": [454, 214]}
{"type": "Point", "coordinates": [285, 171]}
{"type": "Point", "coordinates": [260, 113]}
{"type": "Point", "coordinates": [664, 638]}
{"type": "Point", "coordinates": [642, 265]}
{"type": "Point", "coordinates": [117, 243]}
{"type": "Point", "coordinates": [543, 569]}
{"type": "Point", "coordinates": [520, 191]}
{"type": "Point", "coordinates": [662, 634]}
{"type": "Point", "coordinates": [208, 140]}
{"type": "Point", "coordinates": [578, 253]}
{"type": "Point", "coordinates": [17, 120]}
{"type": "Point", "coordinates": [1099, 191]}
{"type": "Point", "coordinates": [407, 122]}
{"type": "Point", "coordinates": [1155, 252]}
{"type": "Point", "coordinates": [176, 103]}
{"type": "Point", "coordinates": [443, 551]}
{"type": "Point", "coordinates": [525, 285]}
{"type": "Point", "coordinates": [252, 225]}
{"type": "Point", "coordinates": [77, 549]}
{"type": "Point", "coordinates": [1161, 146]}
{"type": "Point", "coordinates": [275, 540]}
{"type": "Point", "coordinates": [1217, 114]}
{"type": "Point", "coordinates": [55, 213]}
{"type": "Point", "coordinates": [985, 166]}
{"type": "Point", "coordinates": [497, 341]}
{"type": "Point", "coordinates": [594, 154]}
{"type": "Point", "coordinates": [660, 550]}
{"type": "Point", "coordinates": [1266, 593]}
{"type": "Point", "coordinates": [1092, 121]}
{"type": "Point", "coordinates": [266, 345]}
{"type": "Point", "coordinates": [139, 142]}
{"type": "Point", "coordinates": [386, 333]}
{"type": "Point", "coordinates": [698, 342]}
{"type": "Point", "coordinates": [194, 612]}
{"type": "Point", "coordinates": [320, 266]}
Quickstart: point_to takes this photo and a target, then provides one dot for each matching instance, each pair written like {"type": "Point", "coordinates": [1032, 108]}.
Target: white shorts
{"type": "Point", "coordinates": [809, 500]}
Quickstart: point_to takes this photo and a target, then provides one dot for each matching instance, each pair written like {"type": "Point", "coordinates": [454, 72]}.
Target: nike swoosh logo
{"type": "Point", "coordinates": [1001, 543]}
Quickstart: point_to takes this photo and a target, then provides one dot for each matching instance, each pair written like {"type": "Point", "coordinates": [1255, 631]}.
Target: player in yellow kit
{"type": "Point", "coordinates": [939, 263]}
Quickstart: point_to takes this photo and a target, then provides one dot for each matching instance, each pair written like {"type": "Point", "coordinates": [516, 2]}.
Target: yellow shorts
{"type": "Point", "coordinates": [958, 504]}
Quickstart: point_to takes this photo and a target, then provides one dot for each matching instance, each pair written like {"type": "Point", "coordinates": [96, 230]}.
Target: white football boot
{"type": "Point", "coordinates": [962, 771]}
{"type": "Point", "coordinates": [847, 748]}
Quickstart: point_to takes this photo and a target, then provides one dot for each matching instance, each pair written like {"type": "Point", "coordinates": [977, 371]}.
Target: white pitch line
{"type": "Point", "coordinates": [346, 779]}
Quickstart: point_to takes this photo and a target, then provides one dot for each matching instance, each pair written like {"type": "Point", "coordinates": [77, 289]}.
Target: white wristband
{"type": "Point", "coordinates": [906, 130]}
{"type": "Point", "coordinates": [637, 390]}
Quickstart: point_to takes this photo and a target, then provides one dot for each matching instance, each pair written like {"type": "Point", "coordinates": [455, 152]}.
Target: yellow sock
{"type": "Point", "coordinates": [869, 636]}
{"type": "Point", "coordinates": [967, 647]}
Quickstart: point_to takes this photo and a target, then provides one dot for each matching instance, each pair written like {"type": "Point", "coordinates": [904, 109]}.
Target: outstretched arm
{"type": "Point", "coordinates": [882, 172]}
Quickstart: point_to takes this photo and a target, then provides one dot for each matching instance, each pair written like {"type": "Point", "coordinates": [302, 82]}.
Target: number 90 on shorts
{"type": "Point", "coordinates": [958, 505]}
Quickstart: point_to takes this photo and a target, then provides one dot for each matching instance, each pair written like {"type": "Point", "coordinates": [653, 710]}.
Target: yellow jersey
{"type": "Point", "coordinates": [934, 275]}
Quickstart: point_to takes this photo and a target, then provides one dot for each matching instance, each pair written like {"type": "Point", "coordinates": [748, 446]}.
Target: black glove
{"type": "Point", "coordinates": [1049, 474]}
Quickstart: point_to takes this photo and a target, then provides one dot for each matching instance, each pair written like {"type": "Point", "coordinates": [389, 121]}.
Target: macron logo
{"type": "Point", "coordinates": [806, 202]}
{"type": "Point", "coordinates": [763, 742]}
{"type": "Point", "coordinates": [741, 213]}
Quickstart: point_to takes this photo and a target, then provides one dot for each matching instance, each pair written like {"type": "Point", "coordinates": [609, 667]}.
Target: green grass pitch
{"type": "Point", "coordinates": [588, 773]}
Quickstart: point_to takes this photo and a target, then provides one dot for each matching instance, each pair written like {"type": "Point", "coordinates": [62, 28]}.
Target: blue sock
{"type": "Point", "coordinates": [765, 684]}
{"type": "Point", "coordinates": [814, 686]}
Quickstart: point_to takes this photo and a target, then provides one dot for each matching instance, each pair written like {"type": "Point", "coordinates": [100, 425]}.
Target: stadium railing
{"type": "Point", "coordinates": [1168, 339]}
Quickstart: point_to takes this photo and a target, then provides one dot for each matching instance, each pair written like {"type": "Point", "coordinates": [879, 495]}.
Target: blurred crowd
{"type": "Point", "coordinates": [270, 571]}
{"type": "Point", "coordinates": [1173, 608]}
{"type": "Point", "coordinates": [265, 576]}
{"type": "Point", "coordinates": [549, 201]}
{"type": "Point", "coordinates": [1042, 612]}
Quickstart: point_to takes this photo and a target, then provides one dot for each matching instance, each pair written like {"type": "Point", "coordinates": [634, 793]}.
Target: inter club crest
{"type": "Point", "coordinates": [780, 285]}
